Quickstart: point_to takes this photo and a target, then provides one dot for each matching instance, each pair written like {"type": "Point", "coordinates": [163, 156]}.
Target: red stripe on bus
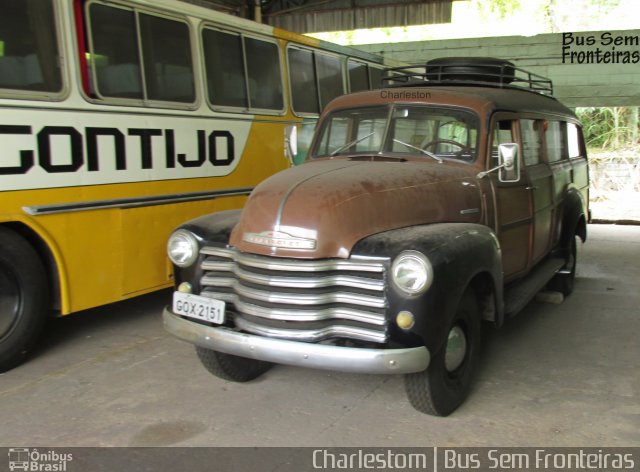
{"type": "Point", "coordinates": [80, 35]}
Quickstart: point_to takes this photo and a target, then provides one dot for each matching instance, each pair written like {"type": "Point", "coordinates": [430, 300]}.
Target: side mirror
{"type": "Point", "coordinates": [291, 143]}
{"type": "Point", "coordinates": [509, 163]}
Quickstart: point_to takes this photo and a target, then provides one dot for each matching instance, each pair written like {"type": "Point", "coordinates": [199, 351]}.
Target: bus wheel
{"type": "Point", "coordinates": [24, 296]}
{"type": "Point", "coordinates": [445, 384]}
{"type": "Point", "coordinates": [230, 367]}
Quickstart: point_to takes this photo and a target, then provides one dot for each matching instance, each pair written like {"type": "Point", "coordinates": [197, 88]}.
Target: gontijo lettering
{"type": "Point", "coordinates": [83, 148]}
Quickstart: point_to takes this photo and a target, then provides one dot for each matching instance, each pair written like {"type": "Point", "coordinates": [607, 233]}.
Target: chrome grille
{"type": "Point", "coordinates": [305, 300]}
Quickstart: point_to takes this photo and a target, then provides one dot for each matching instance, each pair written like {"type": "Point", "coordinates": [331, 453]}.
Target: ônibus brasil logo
{"type": "Point", "coordinates": [32, 460]}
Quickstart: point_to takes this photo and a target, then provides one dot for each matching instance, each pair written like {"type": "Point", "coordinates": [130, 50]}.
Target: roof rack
{"type": "Point", "coordinates": [485, 71]}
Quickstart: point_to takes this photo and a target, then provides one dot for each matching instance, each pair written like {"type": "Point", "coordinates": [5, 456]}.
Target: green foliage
{"type": "Point", "coordinates": [504, 7]}
{"type": "Point", "coordinates": [609, 128]}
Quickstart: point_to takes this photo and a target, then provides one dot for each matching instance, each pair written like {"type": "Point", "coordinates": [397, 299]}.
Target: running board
{"type": "Point", "coordinates": [519, 294]}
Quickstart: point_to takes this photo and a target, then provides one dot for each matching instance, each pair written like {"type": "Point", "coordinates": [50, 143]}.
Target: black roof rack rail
{"type": "Point", "coordinates": [485, 71]}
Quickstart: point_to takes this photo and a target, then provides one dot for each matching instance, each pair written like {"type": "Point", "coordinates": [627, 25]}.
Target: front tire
{"type": "Point", "coordinates": [230, 367]}
{"type": "Point", "coordinates": [444, 386]}
{"type": "Point", "coordinates": [24, 298]}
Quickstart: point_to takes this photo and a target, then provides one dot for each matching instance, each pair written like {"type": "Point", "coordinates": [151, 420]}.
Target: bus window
{"type": "Point", "coordinates": [246, 77]}
{"type": "Point", "coordinates": [358, 76]}
{"type": "Point", "coordinates": [116, 52]}
{"type": "Point", "coordinates": [375, 77]}
{"type": "Point", "coordinates": [304, 89]}
{"type": "Point", "coordinates": [225, 69]}
{"type": "Point", "coordinates": [29, 57]}
{"type": "Point", "coordinates": [329, 78]}
{"type": "Point", "coordinates": [265, 80]}
{"type": "Point", "coordinates": [167, 59]}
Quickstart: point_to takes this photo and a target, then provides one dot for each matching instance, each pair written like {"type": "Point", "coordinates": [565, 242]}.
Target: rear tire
{"type": "Point", "coordinates": [24, 298]}
{"type": "Point", "coordinates": [230, 367]}
{"type": "Point", "coordinates": [445, 384]}
{"type": "Point", "coordinates": [564, 282]}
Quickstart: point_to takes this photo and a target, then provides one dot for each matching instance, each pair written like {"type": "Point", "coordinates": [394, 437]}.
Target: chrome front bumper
{"type": "Point", "coordinates": [302, 354]}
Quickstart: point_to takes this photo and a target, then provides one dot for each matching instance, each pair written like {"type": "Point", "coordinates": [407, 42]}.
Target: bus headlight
{"type": "Point", "coordinates": [182, 248]}
{"type": "Point", "coordinates": [412, 273]}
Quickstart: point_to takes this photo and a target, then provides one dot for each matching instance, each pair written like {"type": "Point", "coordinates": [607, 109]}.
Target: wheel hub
{"type": "Point", "coordinates": [456, 348]}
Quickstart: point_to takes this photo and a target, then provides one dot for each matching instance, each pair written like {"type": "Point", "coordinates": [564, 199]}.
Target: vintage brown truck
{"type": "Point", "coordinates": [447, 198]}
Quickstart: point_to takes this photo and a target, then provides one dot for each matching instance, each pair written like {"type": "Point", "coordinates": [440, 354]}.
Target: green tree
{"type": "Point", "coordinates": [610, 127]}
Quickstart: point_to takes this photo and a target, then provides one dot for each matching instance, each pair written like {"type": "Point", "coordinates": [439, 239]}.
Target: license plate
{"type": "Point", "coordinates": [200, 308]}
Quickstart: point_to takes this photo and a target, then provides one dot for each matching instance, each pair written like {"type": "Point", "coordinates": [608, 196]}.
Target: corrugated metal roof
{"type": "Point", "coordinates": [344, 15]}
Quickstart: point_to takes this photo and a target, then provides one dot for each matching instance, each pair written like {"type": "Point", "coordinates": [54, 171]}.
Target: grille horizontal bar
{"type": "Point", "coordinates": [296, 314]}
{"type": "Point", "coordinates": [298, 293]}
{"type": "Point", "coordinates": [294, 282]}
{"type": "Point", "coordinates": [297, 265]}
{"type": "Point", "coordinates": [313, 335]}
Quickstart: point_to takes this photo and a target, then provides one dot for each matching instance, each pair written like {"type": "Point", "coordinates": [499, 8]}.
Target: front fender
{"type": "Point", "coordinates": [214, 229]}
{"type": "Point", "coordinates": [460, 254]}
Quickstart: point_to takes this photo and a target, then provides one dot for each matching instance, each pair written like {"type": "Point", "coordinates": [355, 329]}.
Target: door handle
{"type": "Point", "coordinates": [531, 188]}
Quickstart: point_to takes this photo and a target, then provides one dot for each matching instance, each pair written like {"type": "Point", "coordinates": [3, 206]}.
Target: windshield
{"type": "Point", "coordinates": [433, 132]}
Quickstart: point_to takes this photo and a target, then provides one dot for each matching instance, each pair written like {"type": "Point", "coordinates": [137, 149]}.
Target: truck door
{"type": "Point", "coordinates": [540, 185]}
{"type": "Point", "coordinates": [513, 206]}
{"type": "Point", "coordinates": [555, 143]}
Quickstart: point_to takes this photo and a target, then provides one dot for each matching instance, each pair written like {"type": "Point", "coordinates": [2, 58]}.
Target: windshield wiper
{"type": "Point", "coordinates": [423, 151]}
{"type": "Point", "coordinates": [348, 145]}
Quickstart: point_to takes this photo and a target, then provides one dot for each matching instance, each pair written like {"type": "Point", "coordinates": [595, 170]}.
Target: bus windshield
{"type": "Point", "coordinates": [435, 132]}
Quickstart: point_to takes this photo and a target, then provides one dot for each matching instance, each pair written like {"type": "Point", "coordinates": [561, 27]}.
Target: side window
{"type": "Point", "coordinates": [114, 52]}
{"type": "Point", "coordinates": [375, 77]}
{"type": "Point", "coordinates": [554, 141]}
{"type": "Point", "coordinates": [530, 141]}
{"type": "Point", "coordinates": [315, 79]}
{"type": "Point", "coordinates": [29, 56]}
{"type": "Point", "coordinates": [302, 77]}
{"type": "Point", "coordinates": [127, 46]}
{"type": "Point", "coordinates": [224, 67]}
{"type": "Point", "coordinates": [263, 68]}
{"type": "Point", "coordinates": [166, 50]}
{"type": "Point", "coordinates": [242, 72]}
{"type": "Point", "coordinates": [502, 134]}
{"type": "Point", "coordinates": [358, 76]}
{"type": "Point", "coordinates": [574, 141]}
{"type": "Point", "coordinates": [329, 70]}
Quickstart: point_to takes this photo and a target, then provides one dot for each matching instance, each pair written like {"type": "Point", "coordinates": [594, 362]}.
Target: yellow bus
{"type": "Point", "coordinates": [121, 119]}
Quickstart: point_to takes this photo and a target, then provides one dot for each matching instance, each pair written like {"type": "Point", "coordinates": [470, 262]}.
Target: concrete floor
{"type": "Point", "coordinates": [557, 375]}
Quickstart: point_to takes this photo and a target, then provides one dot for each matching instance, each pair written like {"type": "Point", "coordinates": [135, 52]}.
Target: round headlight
{"type": "Point", "coordinates": [411, 272]}
{"type": "Point", "coordinates": [182, 248]}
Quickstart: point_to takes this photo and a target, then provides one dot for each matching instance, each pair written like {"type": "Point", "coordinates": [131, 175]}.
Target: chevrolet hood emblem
{"type": "Point", "coordinates": [279, 239]}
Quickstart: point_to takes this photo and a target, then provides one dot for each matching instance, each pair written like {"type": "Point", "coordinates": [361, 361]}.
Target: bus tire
{"type": "Point", "coordinates": [445, 384]}
{"type": "Point", "coordinates": [230, 367]}
{"type": "Point", "coordinates": [24, 298]}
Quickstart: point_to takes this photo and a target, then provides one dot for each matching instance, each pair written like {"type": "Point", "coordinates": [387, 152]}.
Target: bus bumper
{"type": "Point", "coordinates": [301, 354]}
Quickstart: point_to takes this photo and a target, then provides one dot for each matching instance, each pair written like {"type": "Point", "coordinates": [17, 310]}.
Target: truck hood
{"type": "Point", "coordinates": [322, 209]}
